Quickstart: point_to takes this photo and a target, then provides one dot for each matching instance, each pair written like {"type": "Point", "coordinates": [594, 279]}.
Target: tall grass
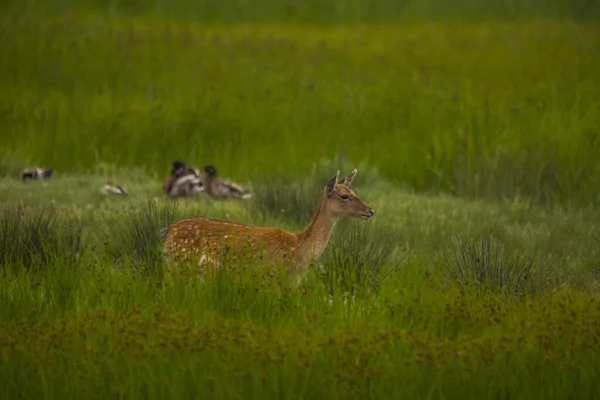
{"type": "Point", "coordinates": [360, 256]}
{"type": "Point", "coordinates": [135, 235]}
{"type": "Point", "coordinates": [37, 238]}
{"type": "Point", "coordinates": [279, 196]}
{"type": "Point", "coordinates": [499, 101]}
{"type": "Point", "coordinates": [123, 332]}
{"type": "Point", "coordinates": [489, 264]}
{"type": "Point", "coordinates": [334, 11]}
{"type": "Point", "coordinates": [469, 108]}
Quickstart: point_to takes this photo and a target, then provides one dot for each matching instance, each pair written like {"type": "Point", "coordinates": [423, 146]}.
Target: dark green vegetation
{"type": "Point", "coordinates": [492, 109]}
{"type": "Point", "coordinates": [435, 296]}
{"type": "Point", "coordinates": [317, 11]}
{"type": "Point", "coordinates": [476, 141]}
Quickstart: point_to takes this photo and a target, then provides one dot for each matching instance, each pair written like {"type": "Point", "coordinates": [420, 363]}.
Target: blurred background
{"type": "Point", "coordinates": [481, 99]}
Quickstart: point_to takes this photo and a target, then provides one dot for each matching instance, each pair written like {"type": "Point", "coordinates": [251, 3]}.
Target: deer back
{"type": "Point", "coordinates": [216, 239]}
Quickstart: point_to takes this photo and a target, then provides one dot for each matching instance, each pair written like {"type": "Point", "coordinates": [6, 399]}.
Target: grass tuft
{"type": "Point", "coordinates": [361, 255]}
{"type": "Point", "coordinates": [504, 266]}
{"type": "Point", "coordinates": [137, 234]}
{"type": "Point", "coordinates": [35, 238]}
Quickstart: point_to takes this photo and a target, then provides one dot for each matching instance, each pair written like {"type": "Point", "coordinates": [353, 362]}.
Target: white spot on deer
{"type": "Point", "coordinates": [204, 260]}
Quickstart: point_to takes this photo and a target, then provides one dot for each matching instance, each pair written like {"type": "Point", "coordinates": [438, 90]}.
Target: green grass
{"type": "Point", "coordinates": [316, 11]}
{"type": "Point", "coordinates": [481, 109]}
{"type": "Point", "coordinates": [413, 323]}
{"type": "Point", "coordinates": [476, 140]}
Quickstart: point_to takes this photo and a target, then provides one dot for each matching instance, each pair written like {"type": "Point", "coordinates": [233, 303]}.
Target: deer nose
{"type": "Point", "coordinates": [370, 211]}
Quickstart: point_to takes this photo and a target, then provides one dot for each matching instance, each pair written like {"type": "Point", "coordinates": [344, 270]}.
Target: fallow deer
{"type": "Point", "coordinates": [208, 241]}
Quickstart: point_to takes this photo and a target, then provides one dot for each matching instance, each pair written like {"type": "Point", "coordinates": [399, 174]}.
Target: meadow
{"type": "Point", "coordinates": [474, 130]}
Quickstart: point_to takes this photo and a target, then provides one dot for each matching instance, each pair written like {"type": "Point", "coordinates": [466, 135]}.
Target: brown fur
{"type": "Point", "coordinates": [210, 241]}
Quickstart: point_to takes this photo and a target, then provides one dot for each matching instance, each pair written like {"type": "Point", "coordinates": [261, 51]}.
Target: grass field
{"type": "Point", "coordinates": [475, 133]}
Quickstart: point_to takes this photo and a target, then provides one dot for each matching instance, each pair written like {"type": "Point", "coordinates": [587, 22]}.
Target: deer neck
{"type": "Point", "coordinates": [313, 239]}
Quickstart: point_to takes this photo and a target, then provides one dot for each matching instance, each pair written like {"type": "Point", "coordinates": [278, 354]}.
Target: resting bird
{"type": "Point", "coordinates": [184, 181]}
{"type": "Point", "coordinates": [114, 189]}
{"type": "Point", "coordinates": [181, 169]}
{"type": "Point", "coordinates": [35, 174]}
{"type": "Point", "coordinates": [221, 189]}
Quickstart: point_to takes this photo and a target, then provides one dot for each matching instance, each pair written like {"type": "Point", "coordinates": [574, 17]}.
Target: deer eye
{"type": "Point", "coordinates": [344, 197]}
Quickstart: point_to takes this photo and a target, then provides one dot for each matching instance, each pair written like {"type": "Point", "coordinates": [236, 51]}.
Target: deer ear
{"type": "Point", "coordinates": [348, 179]}
{"type": "Point", "coordinates": [331, 184]}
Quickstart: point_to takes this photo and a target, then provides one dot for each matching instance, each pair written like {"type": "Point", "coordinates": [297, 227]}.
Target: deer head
{"type": "Point", "coordinates": [341, 200]}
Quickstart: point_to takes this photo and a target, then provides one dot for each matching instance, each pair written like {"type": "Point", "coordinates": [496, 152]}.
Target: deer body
{"type": "Point", "coordinates": [207, 240]}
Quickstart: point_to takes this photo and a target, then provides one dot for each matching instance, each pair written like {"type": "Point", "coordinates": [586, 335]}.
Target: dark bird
{"type": "Point", "coordinates": [29, 174]}
{"type": "Point", "coordinates": [184, 181]}
{"type": "Point", "coordinates": [218, 188]}
{"type": "Point", "coordinates": [114, 189]}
